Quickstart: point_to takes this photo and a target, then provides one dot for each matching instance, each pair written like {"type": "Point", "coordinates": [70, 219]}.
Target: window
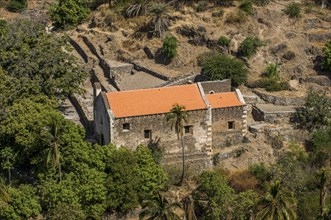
{"type": "Point", "coordinates": [211, 92]}
{"type": "Point", "coordinates": [231, 125]}
{"type": "Point", "coordinates": [148, 134]}
{"type": "Point", "coordinates": [188, 129]}
{"type": "Point", "coordinates": [126, 127]}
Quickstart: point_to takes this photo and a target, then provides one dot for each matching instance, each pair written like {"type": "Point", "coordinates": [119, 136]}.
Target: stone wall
{"type": "Point", "coordinates": [280, 100]}
{"type": "Point", "coordinates": [216, 86]}
{"type": "Point", "coordinates": [222, 136]}
{"type": "Point", "coordinates": [101, 120]}
{"type": "Point", "coordinates": [161, 131]}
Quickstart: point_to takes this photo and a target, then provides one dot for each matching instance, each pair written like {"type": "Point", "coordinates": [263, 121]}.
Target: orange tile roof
{"type": "Point", "coordinates": [154, 101]}
{"type": "Point", "coordinates": [221, 100]}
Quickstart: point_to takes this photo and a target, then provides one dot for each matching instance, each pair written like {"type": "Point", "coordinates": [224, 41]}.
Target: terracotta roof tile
{"type": "Point", "coordinates": [221, 100]}
{"type": "Point", "coordinates": [154, 101]}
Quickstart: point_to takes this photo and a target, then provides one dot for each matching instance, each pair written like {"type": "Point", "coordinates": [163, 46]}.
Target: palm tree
{"type": "Point", "coordinates": [160, 19]}
{"type": "Point", "coordinates": [159, 208]}
{"type": "Point", "coordinates": [136, 9]}
{"type": "Point", "coordinates": [277, 204]}
{"type": "Point", "coordinates": [56, 129]}
{"type": "Point", "coordinates": [176, 118]}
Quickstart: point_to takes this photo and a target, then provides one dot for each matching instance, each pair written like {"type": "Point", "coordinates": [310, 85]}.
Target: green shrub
{"type": "Point", "coordinates": [261, 2]}
{"type": "Point", "coordinates": [224, 41]}
{"type": "Point", "coordinates": [293, 10]}
{"type": "Point", "coordinates": [169, 47]}
{"type": "Point", "coordinates": [224, 3]}
{"type": "Point", "coordinates": [327, 56]}
{"type": "Point", "coordinates": [68, 13]}
{"type": "Point", "coordinates": [272, 71]}
{"type": "Point", "coordinates": [219, 67]}
{"type": "Point", "coordinates": [273, 84]}
{"type": "Point", "coordinates": [238, 17]}
{"type": "Point", "coordinates": [204, 56]}
{"type": "Point", "coordinates": [202, 6]}
{"type": "Point", "coordinates": [249, 46]}
{"type": "Point", "coordinates": [3, 27]}
{"type": "Point", "coordinates": [17, 5]}
{"type": "Point", "coordinates": [260, 171]}
{"type": "Point", "coordinates": [218, 13]}
{"type": "Point", "coordinates": [246, 6]}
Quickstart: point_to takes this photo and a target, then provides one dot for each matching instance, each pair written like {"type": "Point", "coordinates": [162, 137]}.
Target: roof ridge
{"type": "Point", "coordinates": [155, 88]}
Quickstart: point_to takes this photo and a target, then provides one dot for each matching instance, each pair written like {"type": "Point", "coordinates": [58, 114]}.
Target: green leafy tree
{"type": "Point", "coordinates": [151, 175]}
{"type": "Point", "coordinates": [169, 47]}
{"type": "Point", "coordinates": [321, 141]}
{"type": "Point", "coordinates": [249, 46]}
{"type": "Point", "coordinates": [69, 13]}
{"type": "Point", "coordinates": [159, 208]}
{"type": "Point", "coordinates": [277, 204]}
{"type": "Point", "coordinates": [176, 118]}
{"type": "Point", "coordinates": [3, 27]}
{"type": "Point", "coordinates": [23, 203]}
{"type": "Point", "coordinates": [243, 204]}
{"type": "Point", "coordinates": [214, 191]}
{"type": "Point", "coordinates": [24, 55]}
{"type": "Point", "coordinates": [66, 212]}
{"type": "Point", "coordinates": [327, 56]}
{"type": "Point", "coordinates": [122, 182]}
{"type": "Point", "coordinates": [160, 19]}
{"type": "Point", "coordinates": [8, 159]}
{"type": "Point", "coordinates": [219, 67]}
{"type": "Point", "coordinates": [316, 112]}
{"type": "Point", "coordinates": [322, 184]}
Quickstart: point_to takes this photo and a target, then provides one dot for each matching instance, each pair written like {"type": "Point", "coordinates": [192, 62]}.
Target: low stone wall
{"type": "Point", "coordinates": [181, 80]}
{"type": "Point", "coordinates": [275, 116]}
{"type": "Point", "coordinates": [138, 67]}
{"type": "Point", "coordinates": [88, 124]}
{"type": "Point", "coordinates": [280, 100]}
{"type": "Point", "coordinates": [78, 49]}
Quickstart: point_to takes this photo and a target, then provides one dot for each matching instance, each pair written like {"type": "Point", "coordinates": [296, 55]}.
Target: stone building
{"type": "Point", "coordinates": [217, 116]}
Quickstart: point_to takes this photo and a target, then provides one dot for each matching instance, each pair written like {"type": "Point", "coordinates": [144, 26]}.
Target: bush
{"type": "Point", "coordinates": [273, 84]}
{"type": "Point", "coordinates": [271, 71]}
{"type": "Point", "coordinates": [316, 113]}
{"type": "Point", "coordinates": [238, 17]}
{"type": "Point", "coordinates": [202, 6]}
{"type": "Point", "coordinates": [224, 3]}
{"type": "Point", "coordinates": [293, 10]}
{"type": "Point", "coordinates": [249, 46]}
{"type": "Point", "coordinates": [3, 27]}
{"type": "Point", "coordinates": [224, 41]}
{"type": "Point", "coordinates": [261, 2]}
{"type": "Point", "coordinates": [204, 56]}
{"type": "Point", "coordinates": [17, 5]}
{"type": "Point", "coordinates": [218, 13]}
{"type": "Point", "coordinates": [169, 47]}
{"type": "Point", "coordinates": [327, 56]}
{"type": "Point", "coordinates": [68, 13]}
{"type": "Point", "coordinates": [260, 171]}
{"type": "Point", "coordinates": [219, 67]}
{"type": "Point", "coordinates": [247, 6]}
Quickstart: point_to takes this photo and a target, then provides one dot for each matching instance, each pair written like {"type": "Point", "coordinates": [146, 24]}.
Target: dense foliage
{"type": "Point", "coordinates": [169, 47]}
{"type": "Point", "coordinates": [249, 46]}
{"type": "Point", "coordinates": [293, 10]}
{"type": "Point", "coordinates": [69, 13]}
{"type": "Point", "coordinates": [17, 5]}
{"type": "Point", "coordinates": [327, 56]}
{"type": "Point", "coordinates": [219, 67]}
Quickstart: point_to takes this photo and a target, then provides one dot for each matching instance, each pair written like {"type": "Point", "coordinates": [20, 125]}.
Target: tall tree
{"type": "Point", "coordinates": [159, 208]}
{"type": "Point", "coordinates": [176, 118]}
{"type": "Point", "coordinates": [277, 204]}
{"type": "Point", "coordinates": [7, 156]}
{"type": "Point", "coordinates": [56, 129]}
